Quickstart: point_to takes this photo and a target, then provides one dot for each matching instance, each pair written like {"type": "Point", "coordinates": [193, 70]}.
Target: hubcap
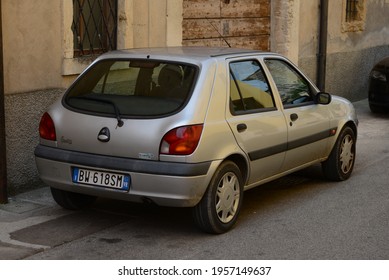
{"type": "Point", "coordinates": [346, 154]}
{"type": "Point", "coordinates": [227, 197]}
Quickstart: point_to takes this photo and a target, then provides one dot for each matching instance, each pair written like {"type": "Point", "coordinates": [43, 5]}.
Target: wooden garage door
{"type": "Point", "coordinates": [243, 23]}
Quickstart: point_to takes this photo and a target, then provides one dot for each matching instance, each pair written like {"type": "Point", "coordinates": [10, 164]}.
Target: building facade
{"type": "Point", "coordinates": [46, 44]}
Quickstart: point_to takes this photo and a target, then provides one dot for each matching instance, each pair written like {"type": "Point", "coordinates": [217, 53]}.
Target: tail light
{"type": "Point", "coordinates": [47, 128]}
{"type": "Point", "coordinates": [182, 140]}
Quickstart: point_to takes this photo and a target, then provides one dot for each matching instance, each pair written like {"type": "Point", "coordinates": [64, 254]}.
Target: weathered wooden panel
{"type": "Point", "coordinates": [243, 23]}
{"type": "Point", "coordinates": [254, 42]}
{"type": "Point", "coordinates": [201, 28]}
{"type": "Point", "coordinates": [201, 9]}
{"type": "Point", "coordinates": [214, 42]}
{"type": "Point", "coordinates": [245, 8]}
{"type": "Point", "coordinates": [245, 26]}
{"type": "Point", "coordinates": [210, 28]}
{"type": "Point", "coordinates": [220, 8]}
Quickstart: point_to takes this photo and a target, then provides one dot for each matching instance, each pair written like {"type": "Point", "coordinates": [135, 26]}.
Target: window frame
{"type": "Point", "coordinates": [75, 65]}
{"type": "Point", "coordinates": [312, 89]}
{"type": "Point", "coordinates": [232, 79]}
{"type": "Point", "coordinates": [351, 10]}
{"type": "Point", "coordinates": [353, 15]}
{"type": "Point", "coordinates": [134, 21]}
{"type": "Point", "coordinates": [73, 90]}
{"type": "Point", "coordinates": [97, 30]}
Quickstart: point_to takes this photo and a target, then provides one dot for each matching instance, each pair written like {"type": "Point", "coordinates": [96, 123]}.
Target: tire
{"type": "Point", "coordinates": [376, 109]}
{"type": "Point", "coordinates": [340, 163]}
{"type": "Point", "coordinates": [71, 200]}
{"type": "Point", "coordinates": [219, 208]}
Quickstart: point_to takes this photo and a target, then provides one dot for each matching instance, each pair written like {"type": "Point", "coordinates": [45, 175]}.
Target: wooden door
{"type": "Point", "coordinates": [242, 23]}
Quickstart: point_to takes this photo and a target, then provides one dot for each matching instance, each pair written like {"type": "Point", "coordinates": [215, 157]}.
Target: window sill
{"type": "Point", "coordinates": [354, 26]}
{"type": "Point", "coordinates": [74, 66]}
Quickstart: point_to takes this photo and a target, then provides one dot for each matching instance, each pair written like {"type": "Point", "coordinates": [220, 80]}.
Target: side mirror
{"type": "Point", "coordinates": [323, 98]}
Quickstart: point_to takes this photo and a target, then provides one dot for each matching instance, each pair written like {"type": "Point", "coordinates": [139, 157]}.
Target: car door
{"type": "Point", "coordinates": [258, 126]}
{"type": "Point", "coordinates": [308, 123]}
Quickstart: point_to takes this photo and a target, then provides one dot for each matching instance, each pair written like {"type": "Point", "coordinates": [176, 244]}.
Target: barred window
{"type": "Point", "coordinates": [94, 26]}
{"type": "Point", "coordinates": [352, 10]}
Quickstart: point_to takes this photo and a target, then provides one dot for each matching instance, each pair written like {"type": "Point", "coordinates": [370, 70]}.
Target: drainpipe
{"type": "Point", "coordinates": [3, 158]}
{"type": "Point", "coordinates": [322, 56]}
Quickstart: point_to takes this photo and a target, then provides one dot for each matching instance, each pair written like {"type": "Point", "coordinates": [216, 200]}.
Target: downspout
{"type": "Point", "coordinates": [3, 158]}
{"type": "Point", "coordinates": [322, 55]}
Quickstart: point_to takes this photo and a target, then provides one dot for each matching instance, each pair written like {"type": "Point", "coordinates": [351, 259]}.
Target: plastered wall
{"type": "Point", "coordinates": [39, 64]}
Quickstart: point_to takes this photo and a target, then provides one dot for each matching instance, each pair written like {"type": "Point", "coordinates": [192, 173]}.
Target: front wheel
{"type": "Point", "coordinates": [219, 208]}
{"type": "Point", "coordinates": [340, 163]}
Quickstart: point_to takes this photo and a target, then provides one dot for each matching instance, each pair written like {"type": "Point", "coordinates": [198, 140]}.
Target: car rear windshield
{"type": "Point", "coordinates": [132, 88]}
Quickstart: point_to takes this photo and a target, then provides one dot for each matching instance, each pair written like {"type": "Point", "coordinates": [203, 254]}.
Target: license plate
{"type": "Point", "coordinates": [102, 179]}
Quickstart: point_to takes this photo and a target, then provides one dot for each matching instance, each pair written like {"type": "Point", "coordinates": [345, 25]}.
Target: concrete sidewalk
{"type": "Point", "coordinates": [36, 210]}
{"type": "Point", "coordinates": [22, 211]}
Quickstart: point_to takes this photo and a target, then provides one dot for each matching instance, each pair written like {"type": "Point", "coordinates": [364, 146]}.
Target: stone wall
{"type": "Point", "coordinates": [22, 116]}
{"type": "Point", "coordinates": [347, 73]}
{"type": "Point", "coordinates": [352, 47]}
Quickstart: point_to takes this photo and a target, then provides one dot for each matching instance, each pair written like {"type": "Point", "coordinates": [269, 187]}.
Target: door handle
{"type": "Point", "coordinates": [294, 117]}
{"type": "Point", "coordinates": [241, 127]}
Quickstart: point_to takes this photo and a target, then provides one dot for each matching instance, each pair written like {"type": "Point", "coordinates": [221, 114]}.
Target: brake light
{"type": "Point", "coordinates": [182, 140]}
{"type": "Point", "coordinates": [47, 128]}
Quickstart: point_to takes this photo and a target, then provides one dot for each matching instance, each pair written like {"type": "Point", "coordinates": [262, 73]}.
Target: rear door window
{"type": "Point", "coordinates": [135, 88]}
{"type": "Point", "coordinates": [249, 89]}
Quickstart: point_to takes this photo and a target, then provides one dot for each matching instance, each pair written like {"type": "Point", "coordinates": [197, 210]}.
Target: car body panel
{"type": "Point", "coordinates": [307, 136]}
{"type": "Point", "coordinates": [264, 142]}
{"type": "Point", "coordinates": [169, 183]}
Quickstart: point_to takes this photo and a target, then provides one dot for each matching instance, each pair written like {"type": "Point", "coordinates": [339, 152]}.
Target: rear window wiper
{"type": "Point", "coordinates": [116, 108]}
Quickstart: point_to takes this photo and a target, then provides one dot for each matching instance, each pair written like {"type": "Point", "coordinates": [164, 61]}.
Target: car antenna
{"type": "Point", "coordinates": [221, 36]}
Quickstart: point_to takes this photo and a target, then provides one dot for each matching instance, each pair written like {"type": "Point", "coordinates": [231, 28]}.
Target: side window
{"type": "Point", "coordinates": [292, 87]}
{"type": "Point", "coordinates": [249, 89]}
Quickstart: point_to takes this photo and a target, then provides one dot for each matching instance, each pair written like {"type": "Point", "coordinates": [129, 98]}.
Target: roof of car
{"type": "Point", "coordinates": [197, 53]}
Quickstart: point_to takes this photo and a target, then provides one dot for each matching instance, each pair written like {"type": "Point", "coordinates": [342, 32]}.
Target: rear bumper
{"type": "Point", "coordinates": [164, 183]}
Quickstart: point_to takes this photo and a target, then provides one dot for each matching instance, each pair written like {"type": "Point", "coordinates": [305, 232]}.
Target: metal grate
{"type": "Point", "coordinates": [351, 10]}
{"type": "Point", "coordinates": [94, 26]}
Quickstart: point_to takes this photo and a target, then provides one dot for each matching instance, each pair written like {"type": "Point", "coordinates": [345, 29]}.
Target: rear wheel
{"type": "Point", "coordinates": [71, 200]}
{"type": "Point", "coordinates": [340, 163]}
{"type": "Point", "coordinates": [219, 208]}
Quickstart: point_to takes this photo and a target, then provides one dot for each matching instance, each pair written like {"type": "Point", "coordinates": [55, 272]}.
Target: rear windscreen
{"type": "Point", "coordinates": [135, 88]}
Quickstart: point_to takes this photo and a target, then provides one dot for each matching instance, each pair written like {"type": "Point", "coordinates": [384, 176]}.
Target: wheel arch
{"type": "Point", "coordinates": [353, 126]}
{"type": "Point", "coordinates": [340, 162]}
{"type": "Point", "coordinates": [242, 164]}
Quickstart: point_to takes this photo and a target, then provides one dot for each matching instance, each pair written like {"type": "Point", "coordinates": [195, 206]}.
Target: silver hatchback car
{"type": "Point", "coordinates": [190, 127]}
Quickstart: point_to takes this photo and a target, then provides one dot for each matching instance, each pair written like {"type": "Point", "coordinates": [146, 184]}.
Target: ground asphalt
{"type": "Point", "coordinates": [29, 212]}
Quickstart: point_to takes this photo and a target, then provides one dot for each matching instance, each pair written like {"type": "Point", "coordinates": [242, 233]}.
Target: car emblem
{"type": "Point", "coordinates": [104, 135]}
